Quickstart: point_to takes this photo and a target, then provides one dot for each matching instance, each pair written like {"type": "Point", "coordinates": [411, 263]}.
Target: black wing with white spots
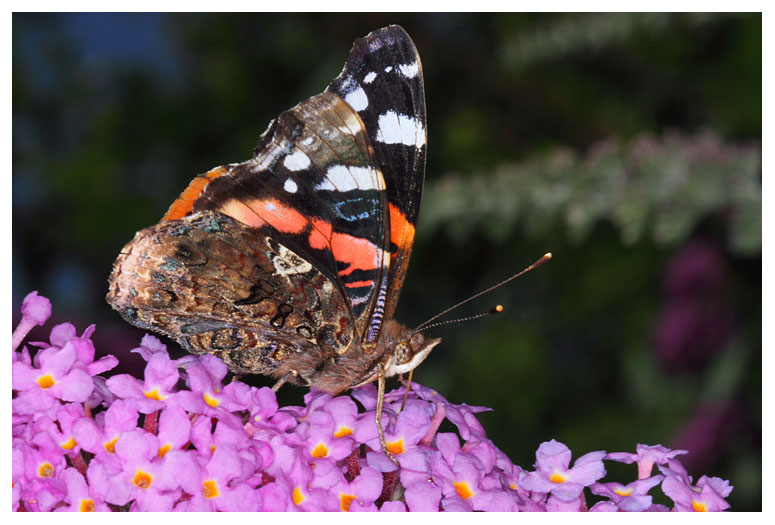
{"type": "Point", "coordinates": [383, 82]}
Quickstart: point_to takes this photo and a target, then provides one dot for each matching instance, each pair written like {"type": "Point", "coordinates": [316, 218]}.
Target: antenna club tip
{"type": "Point", "coordinates": [498, 308]}
{"type": "Point", "coordinates": [548, 255]}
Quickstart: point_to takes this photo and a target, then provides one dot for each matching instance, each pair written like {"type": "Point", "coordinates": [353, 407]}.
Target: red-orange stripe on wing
{"type": "Point", "coordinates": [356, 252]}
{"type": "Point", "coordinates": [359, 284]}
{"type": "Point", "coordinates": [401, 230]}
{"type": "Point", "coordinates": [402, 235]}
{"type": "Point", "coordinates": [360, 254]}
{"type": "Point", "coordinates": [260, 212]}
{"type": "Point", "coordinates": [184, 204]}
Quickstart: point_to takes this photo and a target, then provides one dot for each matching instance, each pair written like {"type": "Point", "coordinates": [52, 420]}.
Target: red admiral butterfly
{"type": "Point", "coordinates": [290, 264]}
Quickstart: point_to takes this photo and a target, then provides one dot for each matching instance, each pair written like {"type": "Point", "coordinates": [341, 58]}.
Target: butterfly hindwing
{"type": "Point", "coordinates": [218, 286]}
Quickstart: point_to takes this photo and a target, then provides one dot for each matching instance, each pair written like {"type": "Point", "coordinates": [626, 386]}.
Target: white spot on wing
{"type": "Point", "coordinates": [296, 161]}
{"type": "Point", "coordinates": [290, 186]}
{"type": "Point", "coordinates": [388, 69]}
{"type": "Point", "coordinates": [357, 99]}
{"type": "Point", "coordinates": [400, 129]}
{"type": "Point", "coordinates": [348, 178]}
{"type": "Point", "coordinates": [368, 79]}
{"type": "Point", "coordinates": [409, 70]}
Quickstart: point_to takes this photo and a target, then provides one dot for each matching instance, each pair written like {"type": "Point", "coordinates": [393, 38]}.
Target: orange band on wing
{"type": "Point", "coordinates": [359, 284]}
{"type": "Point", "coordinates": [184, 204]}
{"type": "Point", "coordinates": [320, 236]}
{"type": "Point", "coordinates": [401, 230]}
{"type": "Point", "coordinates": [360, 254]}
{"type": "Point", "coordinates": [260, 212]}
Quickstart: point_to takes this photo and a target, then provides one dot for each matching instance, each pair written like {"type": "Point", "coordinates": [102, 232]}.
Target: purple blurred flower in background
{"type": "Point", "coordinates": [708, 430]}
{"type": "Point", "coordinates": [697, 318]}
{"type": "Point", "coordinates": [179, 439]}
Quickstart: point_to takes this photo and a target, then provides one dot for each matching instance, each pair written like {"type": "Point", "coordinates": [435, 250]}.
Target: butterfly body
{"type": "Point", "coordinates": [290, 264]}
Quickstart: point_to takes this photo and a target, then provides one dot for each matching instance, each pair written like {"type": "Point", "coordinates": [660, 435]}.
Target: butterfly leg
{"type": "Point", "coordinates": [283, 379]}
{"type": "Point", "coordinates": [408, 387]}
{"type": "Point", "coordinates": [286, 377]}
{"type": "Point", "coordinates": [380, 399]}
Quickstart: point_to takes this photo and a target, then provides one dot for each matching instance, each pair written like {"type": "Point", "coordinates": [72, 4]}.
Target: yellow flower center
{"type": "Point", "coordinates": [297, 496]}
{"type": "Point", "coordinates": [87, 505]}
{"type": "Point", "coordinates": [164, 449]}
{"type": "Point", "coordinates": [463, 490]}
{"type": "Point", "coordinates": [142, 479]}
{"type": "Point", "coordinates": [343, 431]}
{"type": "Point", "coordinates": [623, 491]}
{"type": "Point", "coordinates": [211, 401]}
{"type": "Point", "coordinates": [46, 381]}
{"type": "Point", "coordinates": [69, 444]}
{"type": "Point", "coordinates": [320, 451]}
{"type": "Point", "coordinates": [154, 394]}
{"type": "Point", "coordinates": [46, 470]}
{"type": "Point", "coordinates": [345, 500]}
{"type": "Point", "coordinates": [110, 446]}
{"type": "Point", "coordinates": [557, 478]}
{"type": "Point", "coordinates": [698, 506]}
{"type": "Point", "coordinates": [396, 447]}
{"type": "Point", "coordinates": [210, 489]}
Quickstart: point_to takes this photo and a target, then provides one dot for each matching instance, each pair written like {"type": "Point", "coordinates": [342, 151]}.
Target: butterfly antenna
{"type": "Point", "coordinates": [495, 310]}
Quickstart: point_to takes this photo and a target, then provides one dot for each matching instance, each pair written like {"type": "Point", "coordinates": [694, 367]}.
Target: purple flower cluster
{"type": "Point", "coordinates": [180, 439]}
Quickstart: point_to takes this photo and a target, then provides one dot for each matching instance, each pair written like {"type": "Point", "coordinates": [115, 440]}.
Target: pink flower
{"type": "Point", "coordinates": [554, 476]}
{"type": "Point", "coordinates": [80, 442]}
{"type": "Point", "coordinates": [214, 484]}
{"type": "Point", "coordinates": [35, 312]}
{"type": "Point", "coordinates": [142, 477]}
{"type": "Point", "coordinates": [687, 498]}
{"type": "Point", "coordinates": [53, 379]}
{"type": "Point", "coordinates": [632, 497]}
{"type": "Point", "coordinates": [80, 496]}
{"type": "Point", "coordinates": [646, 456]}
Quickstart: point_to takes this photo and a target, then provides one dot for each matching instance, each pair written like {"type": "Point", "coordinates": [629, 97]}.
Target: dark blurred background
{"type": "Point", "coordinates": [626, 144]}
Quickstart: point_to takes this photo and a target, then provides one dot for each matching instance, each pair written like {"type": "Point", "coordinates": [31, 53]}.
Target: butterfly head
{"type": "Point", "coordinates": [406, 351]}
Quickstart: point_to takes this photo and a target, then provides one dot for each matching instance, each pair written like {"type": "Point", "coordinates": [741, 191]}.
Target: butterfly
{"type": "Point", "coordinates": [291, 263]}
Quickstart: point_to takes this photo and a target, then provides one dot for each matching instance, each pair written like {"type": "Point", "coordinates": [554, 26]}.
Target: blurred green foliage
{"type": "Point", "coordinates": [612, 140]}
{"type": "Point", "coordinates": [661, 189]}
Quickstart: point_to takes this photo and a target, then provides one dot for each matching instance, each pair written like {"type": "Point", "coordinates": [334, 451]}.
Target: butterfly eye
{"type": "Point", "coordinates": [403, 353]}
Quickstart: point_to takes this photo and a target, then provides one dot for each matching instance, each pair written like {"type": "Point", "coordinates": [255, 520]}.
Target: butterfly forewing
{"type": "Point", "coordinates": [382, 80]}
{"type": "Point", "coordinates": [314, 187]}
